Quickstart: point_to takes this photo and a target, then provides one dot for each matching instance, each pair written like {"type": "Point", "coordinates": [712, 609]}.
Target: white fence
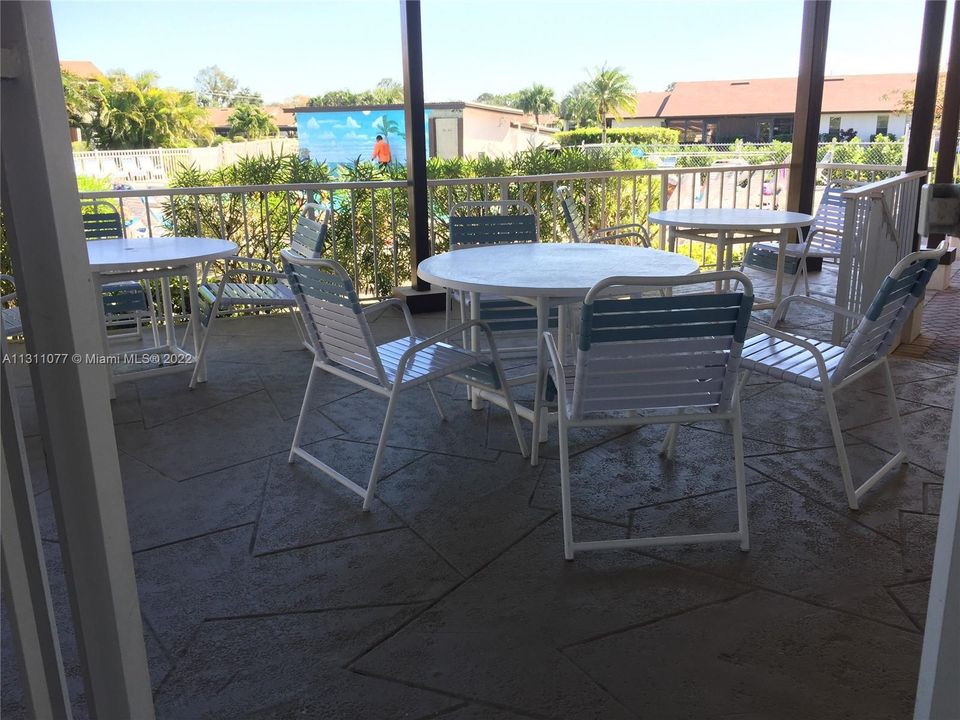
{"type": "Point", "coordinates": [155, 167]}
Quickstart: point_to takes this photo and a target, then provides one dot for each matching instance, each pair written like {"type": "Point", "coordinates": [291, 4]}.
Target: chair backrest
{"type": "Point", "coordinates": [309, 235]}
{"type": "Point", "coordinates": [568, 206]}
{"type": "Point", "coordinates": [332, 314]}
{"type": "Point", "coordinates": [672, 352]}
{"type": "Point", "coordinates": [102, 222]}
{"type": "Point", "coordinates": [826, 232]}
{"type": "Point", "coordinates": [880, 327]}
{"type": "Point", "coordinates": [474, 223]}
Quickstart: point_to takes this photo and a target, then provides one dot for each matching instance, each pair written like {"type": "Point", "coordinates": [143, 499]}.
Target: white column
{"type": "Point", "coordinates": [938, 688]}
{"type": "Point", "coordinates": [55, 288]}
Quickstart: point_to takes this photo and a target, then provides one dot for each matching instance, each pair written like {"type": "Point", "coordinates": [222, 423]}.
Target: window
{"type": "Point", "coordinates": [763, 131]}
{"type": "Point", "coordinates": [783, 128]}
{"type": "Point", "coordinates": [883, 122]}
{"type": "Point", "coordinates": [834, 124]}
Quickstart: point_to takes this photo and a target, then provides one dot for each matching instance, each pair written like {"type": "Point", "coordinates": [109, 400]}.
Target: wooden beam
{"type": "Point", "coordinates": [806, 125]}
{"type": "Point", "coordinates": [950, 117]}
{"type": "Point", "coordinates": [413, 114]}
{"type": "Point", "coordinates": [41, 209]}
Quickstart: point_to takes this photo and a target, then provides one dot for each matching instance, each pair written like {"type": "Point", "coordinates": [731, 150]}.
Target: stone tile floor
{"type": "Point", "coordinates": [267, 593]}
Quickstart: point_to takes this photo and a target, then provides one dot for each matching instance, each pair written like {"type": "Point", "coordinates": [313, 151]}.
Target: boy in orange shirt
{"type": "Point", "coordinates": [381, 151]}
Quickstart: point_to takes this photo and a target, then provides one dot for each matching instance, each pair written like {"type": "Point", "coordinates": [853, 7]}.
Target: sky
{"type": "Point", "coordinates": [283, 49]}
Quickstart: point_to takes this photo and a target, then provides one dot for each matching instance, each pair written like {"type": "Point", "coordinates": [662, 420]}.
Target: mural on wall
{"type": "Point", "coordinates": [338, 137]}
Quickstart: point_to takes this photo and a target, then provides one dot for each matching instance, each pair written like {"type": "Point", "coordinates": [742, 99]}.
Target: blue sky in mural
{"type": "Point", "coordinates": [341, 136]}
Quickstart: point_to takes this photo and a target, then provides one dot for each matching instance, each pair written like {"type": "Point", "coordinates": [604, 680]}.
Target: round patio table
{"type": "Point", "coordinates": [726, 227]}
{"type": "Point", "coordinates": [541, 273]}
{"type": "Point", "coordinates": [163, 258]}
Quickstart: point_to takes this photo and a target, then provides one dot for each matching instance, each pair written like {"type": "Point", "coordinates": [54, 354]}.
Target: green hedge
{"type": "Point", "coordinates": [634, 135]}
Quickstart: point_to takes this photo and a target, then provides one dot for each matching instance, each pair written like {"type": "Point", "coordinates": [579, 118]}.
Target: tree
{"type": "Point", "coordinates": [537, 99]}
{"type": "Point", "coordinates": [387, 127]}
{"type": "Point", "coordinates": [386, 92]}
{"type": "Point", "coordinates": [251, 122]}
{"type": "Point", "coordinates": [76, 97]}
{"type": "Point", "coordinates": [504, 100]}
{"type": "Point", "coordinates": [578, 108]}
{"type": "Point", "coordinates": [905, 105]}
{"type": "Point", "coordinates": [217, 89]}
{"type": "Point", "coordinates": [611, 91]}
{"type": "Point", "coordinates": [125, 112]}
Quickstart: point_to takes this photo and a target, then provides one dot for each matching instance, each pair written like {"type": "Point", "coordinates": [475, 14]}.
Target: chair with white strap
{"type": "Point", "coordinates": [819, 365]}
{"type": "Point", "coordinates": [823, 240]}
{"type": "Point", "coordinates": [629, 233]}
{"type": "Point", "coordinates": [344, 346]}
{"type": "Point", "coordinates": [651, 360]}
{"type": "Point", "coordinates": [252, 283]}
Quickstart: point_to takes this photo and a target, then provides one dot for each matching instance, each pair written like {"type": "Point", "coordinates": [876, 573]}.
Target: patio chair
{"type": "Point", "coordinates": [823, 240]}
{"type": "Point", "coordinates": [344, 347]}
{"type": "Point", "coordinates": [258, 284]}
{"type": "Point", "coordinates": [124, 301]}
{"type": "Point", "coordinates": [9, 314]}
{"type": "Point", "coordinates": [634, 233]}
{"type": "Point", "coordinates": [473, 224]}
{"type": "Point", "coordinates": [650, 360]}
{"type": "Point", "coordinates": [818, 365]}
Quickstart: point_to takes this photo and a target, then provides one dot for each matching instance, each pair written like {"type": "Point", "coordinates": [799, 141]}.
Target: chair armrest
{"type": "Point", "coordinates": [241, 272]}
{"type": "Point", "coordinates": [794, 340]}
{"type": "Point", "coordinates": [393, 302]}
{"type": "Point", "coordinates": [781, 310]}
{"type": "Point", "coordinates": [441, 336]}
{"type": "Point", "coordinates": [615, 232]}
{"type": "Point", "coordinates": [251, 262]}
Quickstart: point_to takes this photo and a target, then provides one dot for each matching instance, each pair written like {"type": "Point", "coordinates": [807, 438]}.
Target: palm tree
{"type": "Point", "coordinates": [386, 126]}
{"type": "Point", "coordinates": [578, 108]}
{"type": "Point", "coordinates": [612, 91]}
{"type": "Point", "coordinates": [537, 99]}
{"type": "Point", "coordinates": [251, 122]}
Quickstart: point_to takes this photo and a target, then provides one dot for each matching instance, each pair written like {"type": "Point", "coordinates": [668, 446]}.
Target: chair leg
{"type": "Point", "coordinates": [381, 446]}
{"type": "Point", "coordinates": [436, 401]}
{"type": "Point", "coordinates": [303, 413]}
{"type": "Point", "coordinates": [669, 440]}
{"type": "Point", "coordinates": [202, 352]}
{"type": "Point", "coordinates": [841, 448]}
{"type": "Point", "coordinates": [736, 428]}
{"type": "Point", "coordinates": [565, 504]}
{"type": "Point", "coordinates": [895, 412]}
{"type": "Point", "coordinates": [508, 396]}
{"type": "Point", "coordinates": [153, 314]}
{"type": "Point", "coordinates": [538, 419]}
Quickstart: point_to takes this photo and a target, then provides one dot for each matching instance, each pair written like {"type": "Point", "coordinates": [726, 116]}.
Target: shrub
{"type": "Point", "coordinates": [633, 135]}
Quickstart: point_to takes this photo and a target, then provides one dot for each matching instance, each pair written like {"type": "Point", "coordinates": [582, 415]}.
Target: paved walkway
{"type": "Point", "coordinates": [267, 593]}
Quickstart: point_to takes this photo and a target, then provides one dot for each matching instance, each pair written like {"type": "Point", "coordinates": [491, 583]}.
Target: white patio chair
{"type": "Point", "coordinates": [237, 290]}
{"type": "Point", "coordinates": [823, 240]}
{"type": "Point", "coordinates": [651, 360]}
{"type": "Point", "coordinates": [632, 233]}
{"type": "Point", "coordinates": [344, 347]}
{"type": "Point", "coordinates": [819, 365]}
{"type": "Point", "coordinates": [9, 314]}
{"type": "Point", "coordinates": [474, 224]}
{"type": "Point", "coordinates": [125, 301]}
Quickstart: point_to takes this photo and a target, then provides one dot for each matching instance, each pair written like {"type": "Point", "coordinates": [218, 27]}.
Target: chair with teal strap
{"type": "Point", "coordinates": [344, 347]}
{"type": "Point", "coordinates": [626, 233]}
{"type": "Point", "coordinates": [128, 300]}
{"type": "Point", "coordinates": [819, 365]}
{"type": "Point", "coordinates": [650, 360]}
{"type": "Point", "coordinates": [256, 284]}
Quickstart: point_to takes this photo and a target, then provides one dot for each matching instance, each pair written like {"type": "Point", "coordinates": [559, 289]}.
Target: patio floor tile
{"type": "Point", "coordinates": [797, 661]}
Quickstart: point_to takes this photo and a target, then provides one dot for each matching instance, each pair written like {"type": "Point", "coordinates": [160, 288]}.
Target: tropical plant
{"type": "Point", "coordinates": [387, 127]}
{"type": "Point", "coordinates": [386, 92]}
{"type": "Point", "coordinates": [502, 100]}
{"type": "Point", "coordinates": [76, 97]}
{"type": "Point", "coordinates": [612, 91]}
{"type": "Point", "coordinates": [537, 99]}
{"type": "Point", "coordinates": [125, 112]}
{"type": "Point", "coordinates": [251, 122]}
{"type": "Point", "coordinates": [578, 107]}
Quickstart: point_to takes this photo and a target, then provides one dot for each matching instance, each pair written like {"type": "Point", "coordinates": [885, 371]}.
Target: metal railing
{"type": "Point", "coordinates": [369, 225]}
{"type": "Point", "coordinates": [880, 222]}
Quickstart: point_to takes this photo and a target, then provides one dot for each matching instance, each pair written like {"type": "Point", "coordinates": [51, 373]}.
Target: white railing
{"type": "Point", "coordinates": [155, 166]}
{"type": "Point", "coordinates": [880, 223]}
{"type": "Point", "coordinates": [370, 223]}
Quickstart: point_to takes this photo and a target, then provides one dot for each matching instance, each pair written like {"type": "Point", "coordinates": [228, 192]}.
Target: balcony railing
{"type": "Point", "coordinates": [370, 230]}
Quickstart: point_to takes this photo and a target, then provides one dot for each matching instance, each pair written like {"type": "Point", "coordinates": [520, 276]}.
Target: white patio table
{"type": "Point", "coordinates": [726, 227]}
{"type": "Point", "coordinates": [163, 258]}
{"type": "Point", "coordinates": [541, 274]}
